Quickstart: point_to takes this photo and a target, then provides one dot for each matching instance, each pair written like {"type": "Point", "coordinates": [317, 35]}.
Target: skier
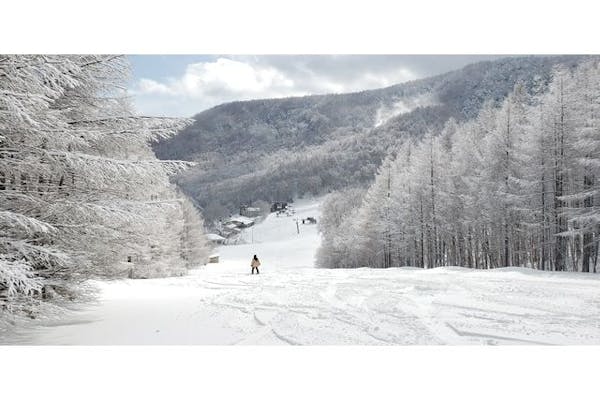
{"type": "Point", "coordinates": [255, 264]}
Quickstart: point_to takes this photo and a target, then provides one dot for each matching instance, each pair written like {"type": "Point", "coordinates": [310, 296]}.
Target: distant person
{"type": "Point", "coordinates": [255, 264]}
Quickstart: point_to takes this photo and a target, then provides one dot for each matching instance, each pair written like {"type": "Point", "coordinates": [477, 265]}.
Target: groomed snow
{"type": "Point", "coordinates": [291, 302]}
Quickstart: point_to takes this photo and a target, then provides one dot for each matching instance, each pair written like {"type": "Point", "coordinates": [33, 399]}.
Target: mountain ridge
{"type": "Point", "coordinates": [320, 143]}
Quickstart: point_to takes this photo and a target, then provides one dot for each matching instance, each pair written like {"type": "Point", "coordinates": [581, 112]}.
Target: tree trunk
{"type": "Point", "coordinates": [588, 203]}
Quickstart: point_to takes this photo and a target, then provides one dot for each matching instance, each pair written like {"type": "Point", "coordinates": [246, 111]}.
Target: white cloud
{"type": "Point", "coordinates": [149, 86]}
{"type": "Point", "coordinates": [232, 76]}
{"type": "Point", "coordinates": [207, 84]}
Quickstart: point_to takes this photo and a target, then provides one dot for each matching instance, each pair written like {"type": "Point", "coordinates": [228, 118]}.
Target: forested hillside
{"type": "Point", "coordinates": [516, 186]}
{"type": "Point", "coordinates": [281, 148]}
{"type": "Point", "coordinates": [81, 193]}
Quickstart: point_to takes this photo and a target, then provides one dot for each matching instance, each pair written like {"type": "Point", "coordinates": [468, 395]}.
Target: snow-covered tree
{"type": "Point", "coordinates": [81, 193]}
{"type": "Point", "coordinates": [517, 185]}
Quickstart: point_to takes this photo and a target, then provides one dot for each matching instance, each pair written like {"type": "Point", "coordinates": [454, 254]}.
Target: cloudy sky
{"type": "Point", "coordinates": [177, 85]}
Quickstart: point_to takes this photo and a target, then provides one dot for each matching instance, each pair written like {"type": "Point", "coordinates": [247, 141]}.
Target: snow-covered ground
{"type": "Point", "coordinates": [291, 302]}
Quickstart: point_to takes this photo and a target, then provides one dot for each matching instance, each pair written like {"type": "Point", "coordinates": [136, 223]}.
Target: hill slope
{"type": "Point", "coordinates": [279, 148]}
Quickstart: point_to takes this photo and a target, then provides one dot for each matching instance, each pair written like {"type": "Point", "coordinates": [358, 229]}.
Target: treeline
{"type": "Point", "coordinates": [81, 192]}
{"type": "Point", "coordinates": [516, 186]}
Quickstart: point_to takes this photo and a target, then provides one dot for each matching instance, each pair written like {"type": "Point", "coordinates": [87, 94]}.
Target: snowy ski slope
{"type": "Point", "coordinates": [291, 302]}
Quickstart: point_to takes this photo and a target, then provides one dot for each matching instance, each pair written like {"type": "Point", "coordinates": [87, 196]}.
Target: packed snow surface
{"type": "Point", "coordinates": [292, 302]}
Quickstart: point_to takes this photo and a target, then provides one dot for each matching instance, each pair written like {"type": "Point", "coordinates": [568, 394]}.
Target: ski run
{"type": "Point", "coordinates": [293, 303]}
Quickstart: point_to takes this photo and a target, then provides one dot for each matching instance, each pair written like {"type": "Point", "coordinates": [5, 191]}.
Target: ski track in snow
{"type": "Point", "coordinates": [293, 303]}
